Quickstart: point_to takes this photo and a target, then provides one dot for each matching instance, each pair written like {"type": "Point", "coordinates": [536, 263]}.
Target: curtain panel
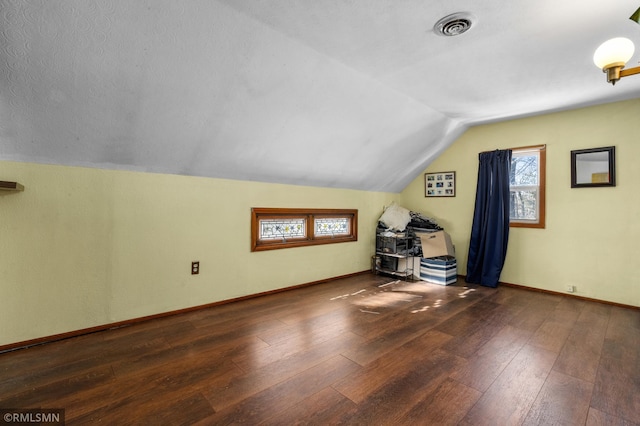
{"type": "Point", "coordinates": [490, 229]}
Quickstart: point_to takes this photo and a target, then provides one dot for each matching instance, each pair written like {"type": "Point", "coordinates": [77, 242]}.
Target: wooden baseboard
{"type": "Point", "coordinates": [575, 296]}
{"type": "Point", "coordinates": [558, 293]}
{"type": "Point", "coordinates": [56, 337]}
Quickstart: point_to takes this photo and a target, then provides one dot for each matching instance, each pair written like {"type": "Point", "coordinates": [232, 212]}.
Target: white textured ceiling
{"type": "Point", "coordinates": [352, 94]}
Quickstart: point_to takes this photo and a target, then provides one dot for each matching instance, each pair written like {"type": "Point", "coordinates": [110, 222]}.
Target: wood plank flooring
{"type": "Point", "coordinates": [364, 350]}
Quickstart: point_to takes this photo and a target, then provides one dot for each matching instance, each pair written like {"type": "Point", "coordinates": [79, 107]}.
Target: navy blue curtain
{"type": "Point", "coordinates": [490, 230]}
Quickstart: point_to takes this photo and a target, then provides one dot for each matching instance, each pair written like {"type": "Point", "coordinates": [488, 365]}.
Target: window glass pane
{"type": "Point", "coordinates": [527, 187]}
{"type": "Point", "coordinates": [524, 204]}
{"type": "Point", "coordinates": [332, 226]}
{"type": "Point", "coordinates": [279, 229]}
{"type": "Point", "coordinates": [524, 169]}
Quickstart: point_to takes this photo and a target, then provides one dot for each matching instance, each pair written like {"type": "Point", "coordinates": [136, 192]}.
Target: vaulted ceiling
{"type": "Point", "coordinates": [355, 94]}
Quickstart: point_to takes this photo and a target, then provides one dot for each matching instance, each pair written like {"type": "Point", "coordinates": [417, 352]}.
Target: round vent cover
{"type": "Point", "coordinates": [453, 25]}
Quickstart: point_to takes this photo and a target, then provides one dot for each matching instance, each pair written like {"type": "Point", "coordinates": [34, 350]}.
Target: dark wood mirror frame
{"type": "Point", "coordinates": [593, 167]}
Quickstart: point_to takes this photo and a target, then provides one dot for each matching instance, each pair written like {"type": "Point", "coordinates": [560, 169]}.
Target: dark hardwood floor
{"type": "Point", "coordinates": [364, 350]}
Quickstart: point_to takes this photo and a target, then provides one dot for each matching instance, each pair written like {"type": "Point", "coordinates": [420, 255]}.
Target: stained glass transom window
{"type": "Point", "coordinates": [282, 229]}
{"type": "Point", "coordinates": [332, 226]}
{"type": "Point", "coordinates": [278, 228]}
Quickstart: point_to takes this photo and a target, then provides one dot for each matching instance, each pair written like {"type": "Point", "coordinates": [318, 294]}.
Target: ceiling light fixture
{"type": "Point", "coordinates": [613, 55]}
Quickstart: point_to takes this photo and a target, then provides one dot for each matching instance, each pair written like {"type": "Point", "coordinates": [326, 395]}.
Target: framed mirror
{"type": "Point", "coordinates": [593, 167]}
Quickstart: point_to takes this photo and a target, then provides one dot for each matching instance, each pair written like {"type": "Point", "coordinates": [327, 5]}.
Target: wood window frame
{"type": "Point", "coordinates": [309, 215]}
{"type": "Point", "coordinates": [542, 150]}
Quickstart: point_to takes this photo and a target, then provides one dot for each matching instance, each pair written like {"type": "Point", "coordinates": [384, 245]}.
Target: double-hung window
{"type": "Point", "coordinates": [276, 228]}
{"type": "Point", "coordinates": [527, 187]}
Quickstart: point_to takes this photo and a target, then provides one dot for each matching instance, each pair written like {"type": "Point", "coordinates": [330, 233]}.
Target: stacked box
{"type": "Point", "coordinates": [436, 244]}
{"type": "Point", "coordinates": [441, 270]}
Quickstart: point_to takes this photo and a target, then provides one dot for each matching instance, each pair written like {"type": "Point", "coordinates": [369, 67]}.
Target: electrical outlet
{"type": "Point", "coordinates": [195, 268]}
{"type": "Point", "coordinates": [571, 289]}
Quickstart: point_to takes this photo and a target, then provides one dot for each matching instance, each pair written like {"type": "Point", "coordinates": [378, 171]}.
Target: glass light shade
{"type": "Point", "coordinates": [616, 50]}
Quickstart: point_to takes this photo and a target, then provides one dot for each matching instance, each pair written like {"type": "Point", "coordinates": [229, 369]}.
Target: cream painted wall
{"type": "Point", "coordinates": [85, 247]}
{"type": "Point", "coordinates": [592, 235]}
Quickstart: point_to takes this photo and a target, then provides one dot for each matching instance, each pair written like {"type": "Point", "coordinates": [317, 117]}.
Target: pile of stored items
{"type": "Point", "coordinates": [410, 244]}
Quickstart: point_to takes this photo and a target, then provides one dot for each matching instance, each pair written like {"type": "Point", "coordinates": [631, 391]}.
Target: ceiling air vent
{"type": "Point", "coordinates": [453, 25]}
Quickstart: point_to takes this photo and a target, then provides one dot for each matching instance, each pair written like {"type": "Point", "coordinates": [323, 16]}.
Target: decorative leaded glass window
{"type": "Point", "coordinates": [332, 226]}
{"type": "Point", "coordinates": [273, 228]}
{"type": "Point", "coordinates": [282, 229]}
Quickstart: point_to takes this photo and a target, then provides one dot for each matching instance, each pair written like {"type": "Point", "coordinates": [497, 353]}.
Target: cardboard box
{"type": "Point", "coordinates": [436, 244]}
{"type": "Point", "coordinates": [442, 270]}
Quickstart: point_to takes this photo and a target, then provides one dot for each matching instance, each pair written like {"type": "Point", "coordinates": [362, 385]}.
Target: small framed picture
{"type": "Point", "coordinates": [442, 184]}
